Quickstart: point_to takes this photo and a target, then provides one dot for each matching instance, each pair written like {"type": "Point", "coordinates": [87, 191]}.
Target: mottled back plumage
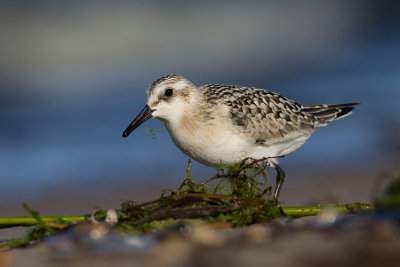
{"type": "Point", "coordinates": [266, 115]}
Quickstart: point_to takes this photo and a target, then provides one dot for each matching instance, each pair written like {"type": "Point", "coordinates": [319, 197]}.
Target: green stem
{"type": "Point", "coordinates": [315, 210]}
{"type": "Point", "coordinates": [217, 176]}
{"type": "Point", "coordinates": [188, 176]}
{"type": "Point", "coordinates": [289, 211]}
{"type": "Point", "coordinates": [30, 221]}
{"type": "Point", "coordinates": [37, 217]}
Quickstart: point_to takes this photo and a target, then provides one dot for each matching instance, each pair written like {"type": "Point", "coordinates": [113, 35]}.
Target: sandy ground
{"type": "Point", "coordinates": [270, 244]}
{"type": "Point", "coordinates": [370, 242]}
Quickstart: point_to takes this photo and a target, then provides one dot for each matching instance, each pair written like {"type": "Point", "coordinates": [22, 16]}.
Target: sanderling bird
{"type": "Point", "coordinates": [219, 125]}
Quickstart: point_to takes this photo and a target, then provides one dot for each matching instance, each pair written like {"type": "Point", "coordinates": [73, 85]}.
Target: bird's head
{"type": "Point", "coordinates": [167, 98]}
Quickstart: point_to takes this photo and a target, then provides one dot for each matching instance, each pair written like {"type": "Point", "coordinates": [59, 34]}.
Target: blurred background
{"type": "Point", "coordinates": [73, 75]}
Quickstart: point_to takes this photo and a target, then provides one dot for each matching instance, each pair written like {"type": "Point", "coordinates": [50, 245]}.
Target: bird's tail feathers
{"type": "Point", "coordinates": [327, 113]}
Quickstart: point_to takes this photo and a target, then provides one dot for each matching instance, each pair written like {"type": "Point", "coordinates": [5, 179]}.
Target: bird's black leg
{"type": "Point", "coordinates": [280, 177]}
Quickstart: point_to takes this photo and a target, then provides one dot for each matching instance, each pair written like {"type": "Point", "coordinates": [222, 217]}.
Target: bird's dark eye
{"type": "Point", "coordinates": [168, 92]}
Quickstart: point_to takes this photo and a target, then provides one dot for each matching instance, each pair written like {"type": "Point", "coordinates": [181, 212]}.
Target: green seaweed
{"type": "Point", "coordinates": [153, 132]}
{"type": "Point", "coordinates": [33, 234]}
{"type": "Point", "coordinates": [390, 196]}
{"type": "Point", "coordinates": [237, 194]}
{"type": "Point", "coordinates": [240, 197]}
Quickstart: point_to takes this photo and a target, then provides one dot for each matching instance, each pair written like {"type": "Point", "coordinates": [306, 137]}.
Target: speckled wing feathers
{"type": "Point", "coordinates": [262, 114]}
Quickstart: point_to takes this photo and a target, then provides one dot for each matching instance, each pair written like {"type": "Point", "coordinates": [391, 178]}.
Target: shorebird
{"type": "Point", "coordinates": [219, 124]}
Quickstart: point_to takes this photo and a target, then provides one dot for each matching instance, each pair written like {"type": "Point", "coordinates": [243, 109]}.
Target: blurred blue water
{"type": "Point", "coordinates": [81, 139]}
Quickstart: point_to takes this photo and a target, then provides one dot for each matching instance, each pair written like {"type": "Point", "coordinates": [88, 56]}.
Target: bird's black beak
{"type": "Point", "coordinates": [143, 116]}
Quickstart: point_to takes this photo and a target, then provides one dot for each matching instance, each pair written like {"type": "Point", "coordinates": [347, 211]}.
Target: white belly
{"type": "Point", "coordinates": [210, 147]}
{"type": "Point", "coordinates": [220, 146]}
